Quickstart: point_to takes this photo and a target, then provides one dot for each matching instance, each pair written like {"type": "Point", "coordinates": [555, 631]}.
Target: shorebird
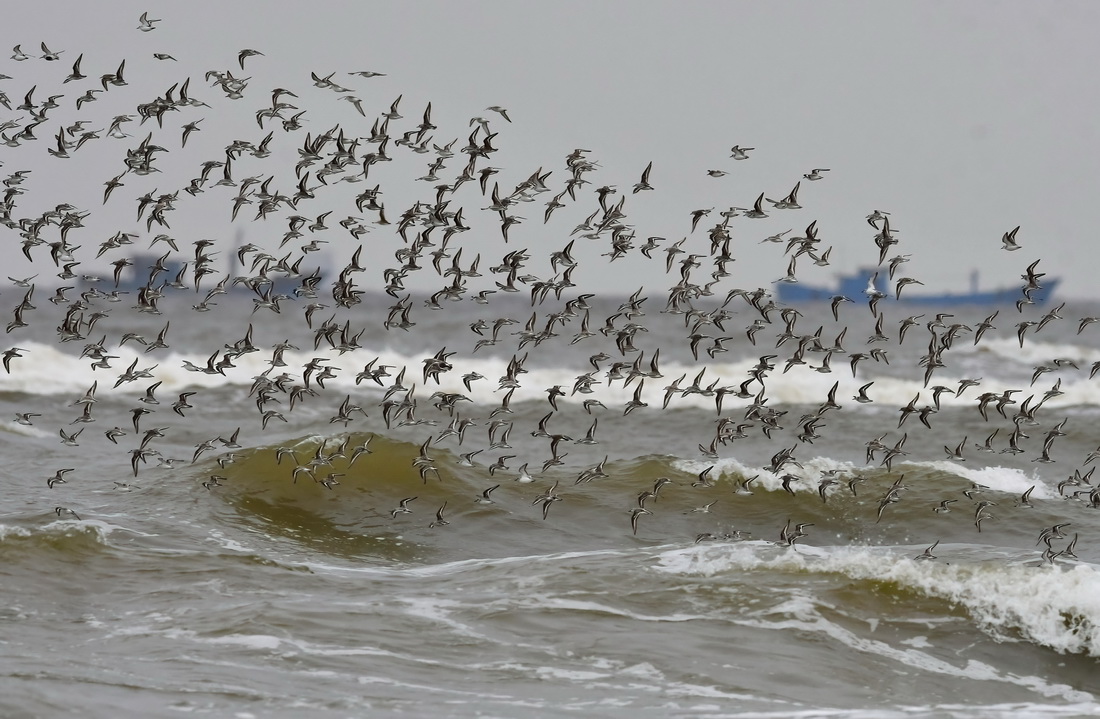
{"type": "Point", "coordinates": [788, 536]}
{"type": "Point", "coordinates": [484, 497]}
{"type": "Point", "coordinates": [58, 478]}
{"type": "Point", "coordinates": [402, 507]}
{"type": "Point", "coordinates": [145, 23]}
{"type": "Point", "coordinates": [944, 506]}
{"type": "Point", "coordinates": [643, 183]}
{"type": "Point", "coordinates": [862, 397]}
{"type": "Point", "coordinates": [1050, 533]}
{"type": "Point", "coordinates": [439, 520]}
{"type": "Point", "coordinates": [1008, 241]}
{"type": "Point", "coordinates": [11, 354]}
{"type": "Point", "coordinates": [927, 553]}
{"type": "Point", "coordinates": [956, 454]}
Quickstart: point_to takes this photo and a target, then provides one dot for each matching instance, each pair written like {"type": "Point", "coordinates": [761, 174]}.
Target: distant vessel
{"type": "Point", "coordinates": [853, 286]}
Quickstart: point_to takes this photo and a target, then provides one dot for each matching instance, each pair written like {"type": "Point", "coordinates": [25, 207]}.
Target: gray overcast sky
{"type": "Point", "coordinates": [961, 119]}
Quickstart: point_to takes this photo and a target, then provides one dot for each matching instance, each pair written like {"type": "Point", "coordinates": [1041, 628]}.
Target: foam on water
{"type": "Point", "coordinates": [732, 468]}
{"type": "Point", "coordinates": [53, 372]}
{"type": "Point", "coordinates": [26, 430]}
{"type": "Point", "coordinates": [96, 530]}
{"type": "Point", "coordinates": [1056, 607]}
{"type": "Point", "coordinates": [1036, 352]}
{"type": "Point", "coordinates": [998, 479]}
{"type": "Point", "coordinates": [249, 641]}
{"type": "Point", "coordinates": [7, 530]}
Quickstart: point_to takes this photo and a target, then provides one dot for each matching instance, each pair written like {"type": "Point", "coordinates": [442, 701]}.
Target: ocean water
{"type": "Point", "coordinates": [345, 554]}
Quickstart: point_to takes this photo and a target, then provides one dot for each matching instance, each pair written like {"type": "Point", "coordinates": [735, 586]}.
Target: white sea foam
{"type": "Point", "coordinates": [7, 530]}
{"type": "Point", "coordinates": [1057, 607]}
{"type": "Point", "coordinates": [578, 605]}
{"type": "Point", "coordinates": [218, 537]}
{"type": "Point", "coordinates": [95, 528]}
{"type": "Point", "coordinates": [45, 370]}
{"type": "Point", "coordinates": [23, 429]}
{"type": "Point", "coordinates": [1035, 352]}
{"type": "Point", "coordinates": [461, 566]}
{"type": "Point", "coordinates": [999, 479]}
{"type": "Point", "coordinates": [809, 473]}
{"type": "Point", "coordinates": [730, 467]}
{"type": "Point", "coordinates": [250, 641]}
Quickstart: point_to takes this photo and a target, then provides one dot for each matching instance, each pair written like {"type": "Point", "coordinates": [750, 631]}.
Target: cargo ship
{"type": "Point", "coordinates": [853, 286]}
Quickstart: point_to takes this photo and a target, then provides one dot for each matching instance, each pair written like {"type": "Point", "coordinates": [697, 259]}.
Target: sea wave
{"type": "Point", "coordinates": [994, 478]}
{"type": "Point", "coordinates": [1053, 606]}
{"type": "Point", "coordinates": [70, 536]}
{"type": "Point", "coordinates": [54, 372]}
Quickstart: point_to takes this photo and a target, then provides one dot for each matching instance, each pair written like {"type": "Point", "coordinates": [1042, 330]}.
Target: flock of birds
{"type": "Point", "coordinates": [430, 234]}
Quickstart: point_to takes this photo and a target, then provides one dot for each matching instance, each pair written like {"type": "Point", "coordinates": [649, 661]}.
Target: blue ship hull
{"type": "Point", "coordinates": [853, 287]}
